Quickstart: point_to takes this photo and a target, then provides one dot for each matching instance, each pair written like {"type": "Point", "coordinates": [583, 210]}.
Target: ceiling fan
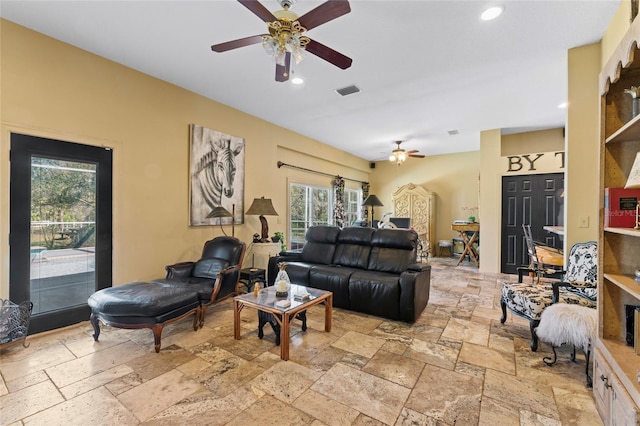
{"type": "Point", "coordinates": [286, 34]}
{"type": "Point", "coordinates": [399, 155]}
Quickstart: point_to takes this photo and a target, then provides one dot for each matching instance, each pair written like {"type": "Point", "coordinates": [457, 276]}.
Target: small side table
{"type": "Point", "coordinates": [249, 276]}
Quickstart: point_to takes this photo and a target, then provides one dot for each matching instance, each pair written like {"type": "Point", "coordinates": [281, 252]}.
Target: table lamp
{"type": "Point", "coordinates": [220, 212]}
{"type": "Point", "coordinates": [263, 207]}
{"type": "Point", "coordinates": [372, 201]}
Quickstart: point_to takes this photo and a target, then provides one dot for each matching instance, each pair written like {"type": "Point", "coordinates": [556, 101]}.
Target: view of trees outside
{"type": "Point", "coordinates": [353, 206]}
{"type": "Point", "coordinates": [63, 203]}
{"type": "Point", "coordinates": [313, 205]}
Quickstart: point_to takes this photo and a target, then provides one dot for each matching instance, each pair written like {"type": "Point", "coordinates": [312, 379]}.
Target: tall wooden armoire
{"type": "Point", "coordinates": [417, 203]}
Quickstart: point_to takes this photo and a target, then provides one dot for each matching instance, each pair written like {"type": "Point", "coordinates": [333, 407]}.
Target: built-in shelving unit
{"type": "Point", "coordinates": [616, 365]}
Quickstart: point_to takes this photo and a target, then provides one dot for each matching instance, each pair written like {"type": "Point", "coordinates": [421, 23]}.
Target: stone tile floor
{"type": "Point", "coordinates": [456, 365]}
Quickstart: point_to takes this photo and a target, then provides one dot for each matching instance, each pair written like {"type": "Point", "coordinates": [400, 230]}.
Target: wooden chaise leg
{"type": "Point", "coordinates": [157, 335]}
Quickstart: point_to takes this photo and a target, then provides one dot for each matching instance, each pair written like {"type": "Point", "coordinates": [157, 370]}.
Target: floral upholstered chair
{"type": "Point", "coordinates": [578, 286]}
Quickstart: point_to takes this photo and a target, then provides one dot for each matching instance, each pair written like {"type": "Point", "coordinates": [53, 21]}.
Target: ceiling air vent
{"type": "Point", "coordinates": [453, 132]}
{"type": "Point", "coordinates": [349, 90]}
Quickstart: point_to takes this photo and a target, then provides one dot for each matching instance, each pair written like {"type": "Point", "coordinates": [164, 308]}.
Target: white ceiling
{"type": "Point", "coordinates": [424, 67]}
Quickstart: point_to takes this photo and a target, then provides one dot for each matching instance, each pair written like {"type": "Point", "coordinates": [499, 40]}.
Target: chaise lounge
{"type": "Point", "coordinates": [188, 289]}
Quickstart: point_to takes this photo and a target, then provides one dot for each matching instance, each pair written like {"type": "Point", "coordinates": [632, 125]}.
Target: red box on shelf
{"type": "Point", "coordinates": [620, 207]}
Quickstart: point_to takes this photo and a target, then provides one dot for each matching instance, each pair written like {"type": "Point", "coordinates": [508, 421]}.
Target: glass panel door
{"type": "Point", "coordinates": [60, 228]}
{"type": "Point", "coordinates": [63, 224]}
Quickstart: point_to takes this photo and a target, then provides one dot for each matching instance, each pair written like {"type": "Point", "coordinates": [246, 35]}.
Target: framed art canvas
{"type": "Point", "coordinates": [216, 176]}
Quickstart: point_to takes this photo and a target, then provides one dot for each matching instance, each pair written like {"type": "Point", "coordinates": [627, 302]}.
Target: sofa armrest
{"type": "Point", "coordinates": [285, 256]}
{"type": "Point", "coordinates": [419, 267]}
{"type": "Point", "coordinates": [291, 254]}
{"type": "Point", "coordinates": [414, 292]}
{"type": "Point", "coordinates": [179, 270]}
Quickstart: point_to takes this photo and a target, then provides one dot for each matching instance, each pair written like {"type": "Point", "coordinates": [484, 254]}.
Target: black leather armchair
{"type": "Point", "coordinates": [215, 276]}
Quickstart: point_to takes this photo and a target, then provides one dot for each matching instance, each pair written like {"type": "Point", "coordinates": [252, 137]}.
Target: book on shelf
{"type": "Point", "coordinates": [620, 207]}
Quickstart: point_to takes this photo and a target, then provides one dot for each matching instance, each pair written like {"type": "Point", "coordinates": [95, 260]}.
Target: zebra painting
{"type": "Point", "coordinates": [216, 175]}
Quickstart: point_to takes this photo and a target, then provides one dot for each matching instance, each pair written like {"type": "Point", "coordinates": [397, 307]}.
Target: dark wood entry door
{"type": "Point", "coordinates": [536, 200]}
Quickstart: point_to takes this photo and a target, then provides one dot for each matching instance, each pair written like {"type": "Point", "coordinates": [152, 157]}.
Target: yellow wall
{"type": "Point", "coordinates": [491, 166]}
{"type": "Point", "coordinates": [540, 141]}
{"type": "Point", "coordinates": [617, 28]}
{"type": "Point", "coordinates": [453, 178]}
{"type": "Point", "coordinates": [582, 146]}
{"type": "Point", "coordinates": [54, 90]}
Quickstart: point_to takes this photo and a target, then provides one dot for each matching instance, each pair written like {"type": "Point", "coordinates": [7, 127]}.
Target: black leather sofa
{"type": "Point", "coordinates": [368, 270]}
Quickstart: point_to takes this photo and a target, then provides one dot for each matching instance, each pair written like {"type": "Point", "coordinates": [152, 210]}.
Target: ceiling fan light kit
{"type": "Point", "coordinates": [399, 155]}
{"type": "Point", "coordinates": [286, 34]}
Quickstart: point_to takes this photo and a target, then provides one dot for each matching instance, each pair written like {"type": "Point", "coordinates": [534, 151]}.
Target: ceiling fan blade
{"type": "Point", "coordinates": [328, 54]}
{"type": "Point", "coordinates": [234, 44]}
{"type": "Point", "coordinates": [282, 71]}
{"type": "Point", "coordinates": [412, 151]}
{"type": "Point", "coordinates": [326, 12]}
{"type": "Point", "coordinates": [259, 10]}
{"type": "Point", "coordinates": [416, 156]}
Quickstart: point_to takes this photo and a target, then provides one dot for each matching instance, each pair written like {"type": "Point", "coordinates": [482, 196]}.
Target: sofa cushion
{"type": "Point", "coordinates": [334, 279]}
{"type": "Point", "coordinates": [298, 272]}
{"type": "Point", "coordinates": [320, 244]}
{"type": "Point", "coordinates": [393, 250]}
{"type": "Point", "coordinates": [209, 267]}
{"type": "Point", "coordinates": [353, 247]}
{"type": "Point", "coordinates": [375, 293]}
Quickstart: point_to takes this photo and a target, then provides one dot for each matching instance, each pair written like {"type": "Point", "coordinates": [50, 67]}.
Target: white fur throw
{"type": "Point", "coordinates": [564, 323]}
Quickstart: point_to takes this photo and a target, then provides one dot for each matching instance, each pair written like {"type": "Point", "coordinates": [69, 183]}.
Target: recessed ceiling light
{"type": "Point", "coordinates": [492, 13]}
{"type": "Point", "coordinates": [563, 105]}
{"type": "Point", "coordinates": [297, 80]}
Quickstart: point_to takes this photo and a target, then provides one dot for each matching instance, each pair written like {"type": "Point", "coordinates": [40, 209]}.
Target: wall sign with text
{"type": "Point", "coordinates": [542, 162]}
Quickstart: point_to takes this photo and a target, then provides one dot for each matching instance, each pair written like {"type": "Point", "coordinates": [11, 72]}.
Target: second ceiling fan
{"type": "Point", "coordinates": [400, 155]}
{"type": "Point", "coordinates": [286, 34]}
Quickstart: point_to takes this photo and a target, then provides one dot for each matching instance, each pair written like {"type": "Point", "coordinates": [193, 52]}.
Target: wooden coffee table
{"type": "Point", "coordinates": [266, 300]}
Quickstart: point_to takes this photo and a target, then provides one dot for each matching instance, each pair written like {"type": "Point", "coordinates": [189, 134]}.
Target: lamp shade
{"type": "Point", "coordinates": [634, 175]}
{"type": "Point", "coordinates": [263, 207]}
{"type": "Point", "coordinates": [372, 201]}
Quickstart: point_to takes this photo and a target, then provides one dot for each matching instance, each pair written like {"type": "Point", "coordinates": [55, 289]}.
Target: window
{"type": "Point", "coordinates": [352, 206]}
{"type": "Point", "coordinates": [313, 205]}
{"type": "Point", "coordinates": [309, 205]}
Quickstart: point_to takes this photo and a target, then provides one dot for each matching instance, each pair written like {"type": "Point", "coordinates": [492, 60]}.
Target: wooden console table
{"type": "Point", "coordinates": [464, 229]}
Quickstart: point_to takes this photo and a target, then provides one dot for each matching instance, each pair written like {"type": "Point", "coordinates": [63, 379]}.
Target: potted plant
{"type": "Point", "coordinates": [278, 237]}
